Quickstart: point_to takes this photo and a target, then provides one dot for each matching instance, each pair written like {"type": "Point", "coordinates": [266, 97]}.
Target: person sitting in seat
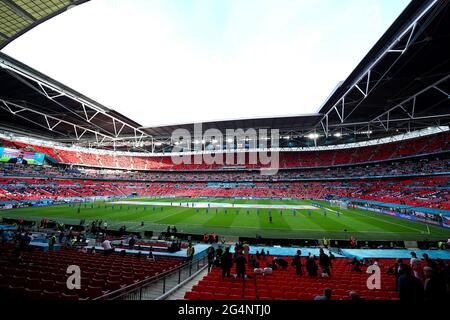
{"type": "Point", "coordinates": [267, 270]}
{"type": "Point", "coordinates": [258, 271]}
{"type": "Point", "coordinates": [326, 295]}
{"type": "Point", "coordinates": [356, 265]}
{"type": "Point", "coordinates": [354, 296]}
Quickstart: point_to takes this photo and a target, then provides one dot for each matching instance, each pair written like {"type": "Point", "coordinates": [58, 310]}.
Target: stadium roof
{"type": "Point", "coordinates": [20, 16]}
{"type": "Point", "coordinates": [402, 84]}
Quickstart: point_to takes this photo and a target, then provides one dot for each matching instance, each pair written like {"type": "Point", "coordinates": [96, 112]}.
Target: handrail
{"type": "Point", "coordinates": [182, 283]}
{"type": "Point", "coordinates": [140, 284]}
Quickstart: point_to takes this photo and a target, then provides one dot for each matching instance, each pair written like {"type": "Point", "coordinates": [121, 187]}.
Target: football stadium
{"type": "Point", "coordinates": [351, 202]}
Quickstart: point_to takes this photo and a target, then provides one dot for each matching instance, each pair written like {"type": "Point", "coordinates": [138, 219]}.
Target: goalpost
{"type": "Point", "coordinates": [339, 203]}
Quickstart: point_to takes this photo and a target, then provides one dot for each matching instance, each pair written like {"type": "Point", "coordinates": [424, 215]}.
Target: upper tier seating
{"type": "Point", "coordinates": [423, 145]}
{"type": "Point", "coordinates": [391, 169]}
{"type": "Point", "coordinates": [286, 285]}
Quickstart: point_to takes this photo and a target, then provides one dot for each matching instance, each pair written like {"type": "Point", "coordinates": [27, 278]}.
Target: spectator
{"type": "Point", "coordinates": [356, 265]}
{"type": "Point", "coordinates": [428, 262]}
{"type": "Point", "coordinates": [263, 254]}
{"type": "Point", "coordinates": [151, 257]}
{"type": "Point", "coordinates": [211, 255]}
{"type": "Point", "coordinates": [226, 262]}
{"type": "Point", "coordinates": [240, 265]}
{"type": "Point", "coordinates": [6, 236]}
{"type": "Point", "coordinates": [435, 289]}
{"type": "Point", "coordinates": [410, 287]}
{"type": "Point", "coordinates": [443, 272]}
{"type": "Point", "coordinates": [246, 249]}
{"type": "Point", "coordinates": [282, 263]}
{"type": "Point", "coordinates": [354, 296]}
{"type": "Point", "coordinates": [107, 247]}
{"type": "Point", "coordinates": [132, 242]}
{"type": "Point", "coordinates": [268, 269]}
{"type": "Point", "coordinates": [190, 252]}
{"type": "Point", "coordinates": [60, 236]}
{"type": "Point", "coordinates": [219, 251]}
{"type": "Point", "coordinates": [258, 271]}
{"type": "Point", "coordinates": [51, 242]}
{"type": "Point", "coordinates": [325, 242]}
{"type": "Point", "coordinates": [332, 257]}
{"type": "Point", "coordinates": [326, 295]}
{"type": "Point", "coordinates": [415, 265]}
{"type": "Point", "coordinates": [297, 263]}
{"type": "Point", "coordinates": [324, 262]}
{"type": "Point", "coordinates": [311, 266]}
{"type": "Point", "coordinates": [397, 269]}
{"type": "Point", "coordinates": [24, 242]}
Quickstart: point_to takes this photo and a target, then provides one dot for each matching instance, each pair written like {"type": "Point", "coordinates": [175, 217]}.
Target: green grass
{"type": "Point", "coordinates": [365, 225]}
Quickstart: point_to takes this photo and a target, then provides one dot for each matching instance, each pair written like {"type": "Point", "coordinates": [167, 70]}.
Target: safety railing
{"type": "Point", "coordinates": [159, 285]}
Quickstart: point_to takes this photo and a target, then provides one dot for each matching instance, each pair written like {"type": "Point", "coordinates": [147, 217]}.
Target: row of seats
{"type": "Point", "coordinates": [44, 274]}
{"type": "Point", "coordinates": [431, 192]}
{"type": "Point", "coordinates": [396, 169]}
{"type": "Point", "coordinates": [287, 285]}
{"type": "Point", "coordinates": [423, 145]}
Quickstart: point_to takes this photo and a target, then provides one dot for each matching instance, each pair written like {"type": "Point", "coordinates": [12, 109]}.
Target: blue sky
{"type": "Point", "coordinates": [176, 61]}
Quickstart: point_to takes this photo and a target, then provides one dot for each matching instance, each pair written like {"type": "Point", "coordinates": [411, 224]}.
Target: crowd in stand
{"type": "Point", "coordinates": [422, 145]}
{"type": "Point", "coordinates": [397, 184]}
{"type": "Point", "coordinates": [431, 192]}
{"type": "Point", "coordinates": [423, 167]}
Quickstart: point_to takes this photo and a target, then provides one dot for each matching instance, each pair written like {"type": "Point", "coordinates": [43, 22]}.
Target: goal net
{"type": "Point", "coordinates": [339, 203]}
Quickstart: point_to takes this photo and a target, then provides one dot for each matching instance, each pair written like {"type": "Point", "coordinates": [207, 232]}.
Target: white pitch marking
{"type": "Point", "coordinates": [219, 205]}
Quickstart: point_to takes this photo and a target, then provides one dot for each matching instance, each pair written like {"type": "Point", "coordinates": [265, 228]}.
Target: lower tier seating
{"type": "Point", "coordinates": [42, 275]}
{"type": "Point", "coordinates": [287, 285]}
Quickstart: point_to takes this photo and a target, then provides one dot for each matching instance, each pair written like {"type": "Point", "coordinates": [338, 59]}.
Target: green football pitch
{"type": "Point", "coordinates": [300, 223]}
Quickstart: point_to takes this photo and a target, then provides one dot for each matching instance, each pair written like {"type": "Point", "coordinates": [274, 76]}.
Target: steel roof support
{"type": "Point", "coordinates": [6, 105]}
{"type": "Point", "coordinates": [408, 33]}
{"type": "Point", "coordinates": [44, 87]}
